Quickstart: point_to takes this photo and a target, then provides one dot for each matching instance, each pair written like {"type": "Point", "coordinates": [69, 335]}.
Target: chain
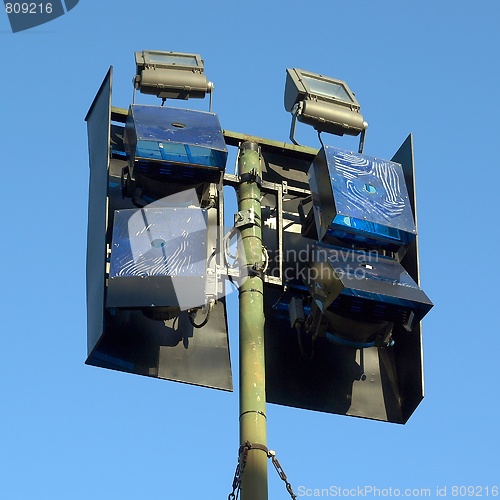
{"type": "Point", "coordinates": [238, 474]}
{"type": "Point", "coordinates": [242, 460]}
{"type": "Point", "coordinates": [281, 473]}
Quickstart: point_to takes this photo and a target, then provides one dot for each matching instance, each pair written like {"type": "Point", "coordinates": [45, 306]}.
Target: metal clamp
{"type": "Point", "coordinates": [244, 218]}
{"type": "Point", "coordinates": [251, 176]}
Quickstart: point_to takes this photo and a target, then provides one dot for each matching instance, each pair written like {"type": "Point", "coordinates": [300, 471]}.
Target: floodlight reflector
{"type": "Point", "coordinates": [328, 88]}
{"type": "Point", "coordinates": [173, 60]}
{"type": "Point", "coordinates": [303, 85]}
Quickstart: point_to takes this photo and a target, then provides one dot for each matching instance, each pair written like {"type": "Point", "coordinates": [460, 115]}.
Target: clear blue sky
{"type": "Point", "coordinates": [70, 431]}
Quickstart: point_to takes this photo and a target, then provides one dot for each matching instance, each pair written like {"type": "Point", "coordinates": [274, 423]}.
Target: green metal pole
{"type": "Point", "coordinates": [252, 365]}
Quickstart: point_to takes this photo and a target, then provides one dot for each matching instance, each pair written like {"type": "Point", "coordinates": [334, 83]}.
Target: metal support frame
{"type": "Point", "coordinates": [277, 190]}
{"type": "Point", "coordinates": [293, 125]}
{"type": "Point", "coordinates": [254, 167]}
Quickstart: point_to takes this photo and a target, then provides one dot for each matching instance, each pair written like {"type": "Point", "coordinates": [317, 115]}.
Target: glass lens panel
{"type": "Point", "coordinates": [174, 152]}
{"type": "Point", "coordinates": [179, 59]}
{"type": "Point", "coordinates": [148, 149]}
{"type": "Point", "coordinates": [201, 156]}
{"type": "Point", "coordinates": [325, 88]}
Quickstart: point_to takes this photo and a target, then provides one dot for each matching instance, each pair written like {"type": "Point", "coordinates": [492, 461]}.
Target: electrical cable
{"type": "Point", "coordinates": [207, 317]}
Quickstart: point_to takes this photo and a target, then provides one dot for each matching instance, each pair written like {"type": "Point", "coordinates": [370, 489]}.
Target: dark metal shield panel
{"type": "Point", "coordinates": [168, 349]}
{"type": "Point", "coordinates": [338, 379]}
{"type": "Point", "coordinates": [376, 394]}
{"type": "Point", "coordinates": [409, 360]}
{"type": "Point", "coordinates": [202, 357]}
{"type": "Point", "coordinates": [98, 129]}
{"type": "Point", "coordinates": [404, 156]}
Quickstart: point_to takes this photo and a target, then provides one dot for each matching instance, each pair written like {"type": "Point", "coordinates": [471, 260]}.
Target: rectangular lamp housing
{"type": "Point", "coordinates": [158, 258]}
{"type": "Point", "coordinates": [365, 286]}
{"type": "Point", "coordinates": [360, 200]}
{"type": "Point", "coordinates": [181, 144]}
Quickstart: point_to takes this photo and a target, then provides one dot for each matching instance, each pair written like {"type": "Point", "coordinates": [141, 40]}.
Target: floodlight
{"type": "Point", "coordinates": [325, 103]}
{"type": "Point", "coordinates": [363, 286]}
{"type": "Point", "coordinates": [360, 200]}
{"type": "Point", "coordinates": [171, 75]}
{"type": "Point", "coordinates": [159, 259]}
{"type": "Point", "coordinates": [179, 143]}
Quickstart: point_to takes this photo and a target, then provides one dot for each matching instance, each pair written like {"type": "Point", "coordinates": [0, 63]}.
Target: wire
{"type": "Point", "coordinates": [319, 137]}
{"type": "Point", "coordinates": [227, 249]}
{"type": "Point", "coordinates": [349, 343]}
{"type": "Point", "coordinates": [228, 255]}
{"type": "Point", "coordinates": [285, 288]}
{"type": "Point", "coordinates": [266, 259]}
{"type": "Point", "coordinates": [207, 317]}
